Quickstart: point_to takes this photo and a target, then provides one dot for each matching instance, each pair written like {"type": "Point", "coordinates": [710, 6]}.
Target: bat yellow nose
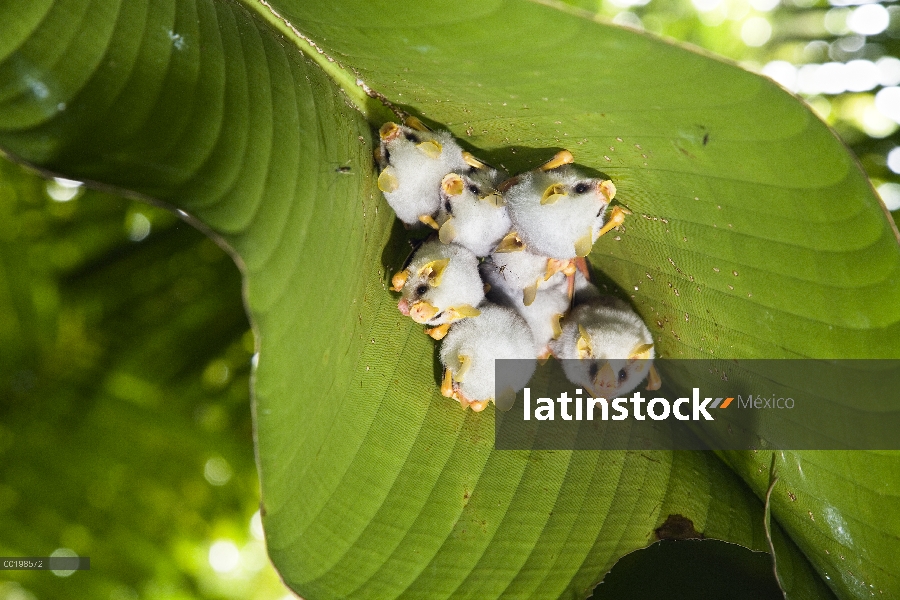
{"type": "Point", "coordinates": [389, 131]}
{"type": "Point", "coordinates": [606, 379]}
{"type": "Point", "coordinates": [608, 189]}
{"type": "Point", "coordinates": [452, 184]}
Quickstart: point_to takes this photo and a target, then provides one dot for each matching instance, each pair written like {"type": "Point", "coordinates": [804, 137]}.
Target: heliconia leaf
{"type": "Point", "coordinates": [753, 234]}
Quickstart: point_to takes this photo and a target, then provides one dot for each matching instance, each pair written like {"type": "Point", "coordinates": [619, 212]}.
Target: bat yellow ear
{"type": "Point", "coordinates": [510, 243]}
{"type": "Point", "coordinates": [653, 380]}
{"type": "Point", "coordinates": [431, 149]}
{"type": "Point", "coordinates": [494, 199]}
{"type": "Point", "coordinates": [415, 123]}
{"type": "Point", "coordinates": [387, 181]}
{"type": "Point", "coordinates": [563, 157]}
{"type": "Point", "coordinates": [555, 321]}
{"type": "Point", "coordinates": [583, 344]}
{"type": "Point", "coordinates": [399, 280]}
{"type": "Point", "coordinates": [584, 244]}
{"type": "Point", "coordinates": [463, 311]}
{"type": "Point", "coordinates": [465, 362]}
{"type": "Point", "coordinates": [553, 193]}
{"type": "Point", "coordinates": [434, 270]}
{"type": "Point", "coordinates": [529, 294]}
{"type": "Point", "coordinates": [641, 351]}
{"type": "Point", "coordinates": [472, 161]}
{"type": "Point", "coordinates": [447, 232]}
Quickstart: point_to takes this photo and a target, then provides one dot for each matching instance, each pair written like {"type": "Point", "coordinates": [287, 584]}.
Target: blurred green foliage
{"type": "Point", "coordinates": [125, 430]}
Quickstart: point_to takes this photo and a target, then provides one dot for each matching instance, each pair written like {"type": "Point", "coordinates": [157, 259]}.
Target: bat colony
{"type": "Point", "coordinates": [505, 277]}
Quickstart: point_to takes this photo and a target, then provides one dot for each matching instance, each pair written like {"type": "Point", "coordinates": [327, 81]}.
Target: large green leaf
{"type": "Point", "coordinates": [750, 222]}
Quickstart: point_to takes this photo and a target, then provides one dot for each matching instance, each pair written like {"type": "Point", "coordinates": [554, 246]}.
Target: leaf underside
{"type": "Point", "coordinates": [754, 234]}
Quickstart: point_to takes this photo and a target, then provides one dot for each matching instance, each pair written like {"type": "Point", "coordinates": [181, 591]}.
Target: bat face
{"type": "Point", "coordinates": [470, 188]}
{"type": "Point", "coordinates": [419, 289]}
{"type": "Point", "coordinates": [614, 378]}
{"type": "Point", "coordinates": [574, 190]}
{"type": "Point", "coordinates": [472, 212]}
{"type": "Point", "coordinates": [611, 347]}
{"type": "Point", "coordinates": [402, 139]}
{"type": "Point", "coordinates": [413, 162]}
{"type": "Point", "coordinates": [440, 285]}
{"type": "Point", "coordinates": [558, 213]}
{"type": "Point", "coordinates": [616, 373]}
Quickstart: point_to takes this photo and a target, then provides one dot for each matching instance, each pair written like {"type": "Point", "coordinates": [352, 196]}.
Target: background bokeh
{"type": "Point", "coordinates": [840, 56]}
{"type": "Point", "coordinates": [125, 430]}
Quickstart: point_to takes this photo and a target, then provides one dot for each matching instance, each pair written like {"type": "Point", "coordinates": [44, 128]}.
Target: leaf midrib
{"type": "Point", "coordinates": [359, 94]}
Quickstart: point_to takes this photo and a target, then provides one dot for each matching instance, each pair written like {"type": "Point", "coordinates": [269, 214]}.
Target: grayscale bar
{"type": "Point", "coordinates": [45, 563]}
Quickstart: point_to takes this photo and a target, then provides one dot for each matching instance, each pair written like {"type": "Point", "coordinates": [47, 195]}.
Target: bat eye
{"type": "Point", "coordinates": [622, 375]}
{"type": "Point", "coordinates": [474, 189]}
{"type": "Point", "coordinates": [412, 137]}
{"type": "Point", "coordinates": [447, 207]}
{"type": "Point", "coordinates": [581, 188]}
{"type": "Point", "coordinates": [422, 290]}
{"type": "Point", "coordinates": [593, 370]}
